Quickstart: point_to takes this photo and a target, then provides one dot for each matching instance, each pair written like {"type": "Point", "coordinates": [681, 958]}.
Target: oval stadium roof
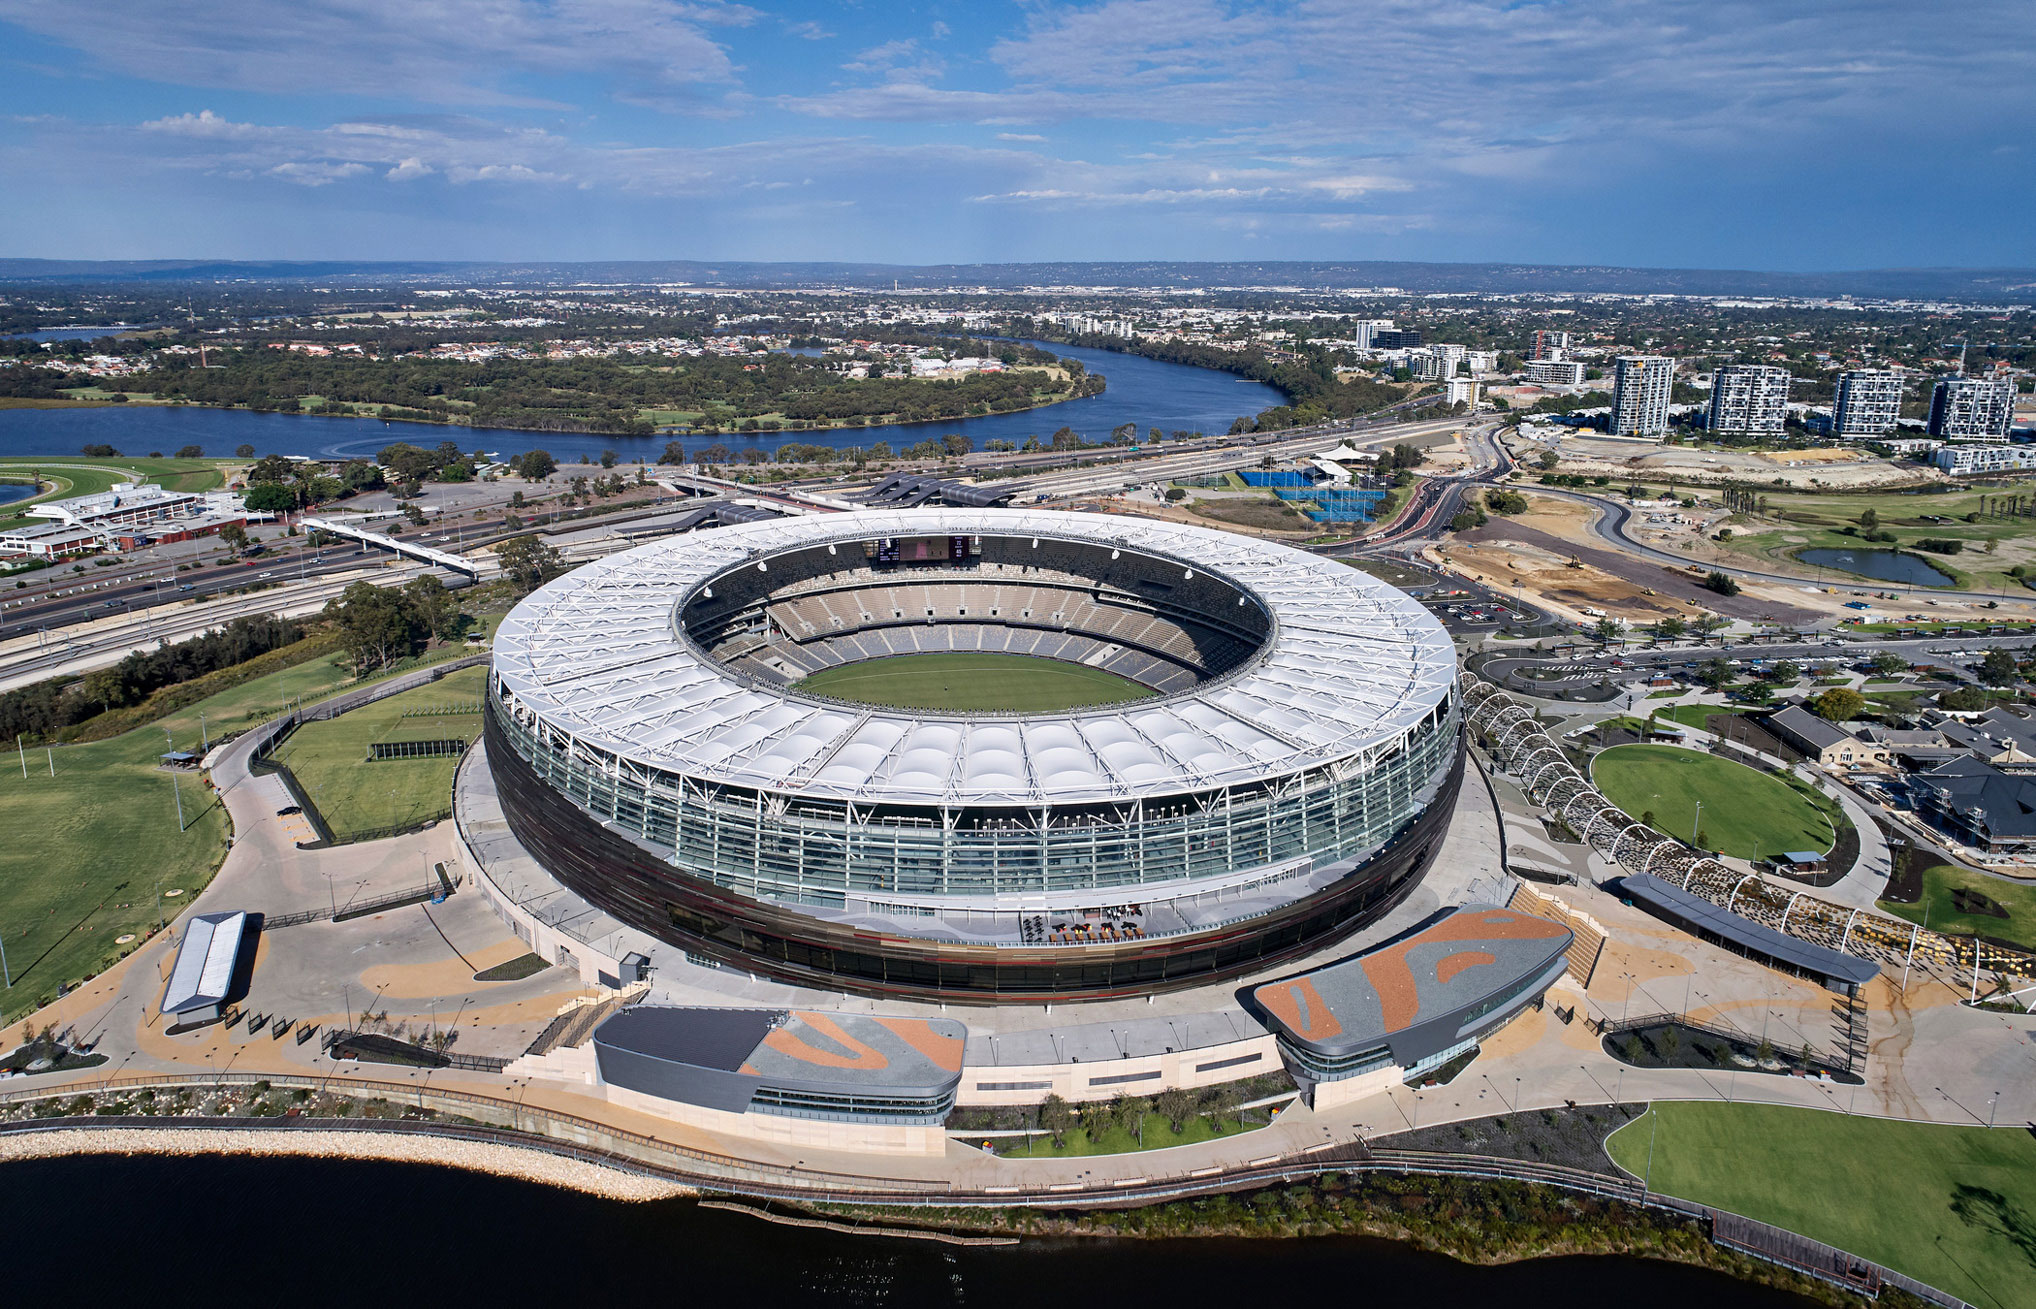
{"type": "Point", "coordinates": [1352, 664]}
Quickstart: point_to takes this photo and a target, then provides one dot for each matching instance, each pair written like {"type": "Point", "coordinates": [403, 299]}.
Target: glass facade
{"type": "Point", "coordinates": [800, 850]}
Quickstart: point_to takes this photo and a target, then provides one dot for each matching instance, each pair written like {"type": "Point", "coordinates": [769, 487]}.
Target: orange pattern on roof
{"type": "Point", "coordinates": [1299, 1005]}
{"type": "Point", "coordinates": [944, 1051]}
{"type": "Point", "coordinates": [1450, 965]}
{"type": "Point", "coordinates": [861, 1057]}
{"type": "Point", "coordinates": [1392, 976]}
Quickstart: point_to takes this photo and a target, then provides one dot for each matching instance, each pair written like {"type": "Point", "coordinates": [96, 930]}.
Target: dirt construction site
{"type": "Point", "coordinates": [1829, 468]}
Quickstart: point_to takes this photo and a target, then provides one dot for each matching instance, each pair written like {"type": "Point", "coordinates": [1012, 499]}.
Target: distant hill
{"type": "Point", "coordinates": [1975, 284]}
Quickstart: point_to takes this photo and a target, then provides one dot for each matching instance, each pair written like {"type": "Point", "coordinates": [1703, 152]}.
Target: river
{"type": "Point", "coordinates": [1143, 391]}
{"type": "Point", "coordinates": [92, 1229]}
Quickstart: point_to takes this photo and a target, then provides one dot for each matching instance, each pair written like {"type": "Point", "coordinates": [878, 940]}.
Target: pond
{"type": "Point", "coordinates": [1882, 565]}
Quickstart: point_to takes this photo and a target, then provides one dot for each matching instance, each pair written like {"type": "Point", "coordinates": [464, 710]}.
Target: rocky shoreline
{"type": "Point", "coordinates": [396, 1147]}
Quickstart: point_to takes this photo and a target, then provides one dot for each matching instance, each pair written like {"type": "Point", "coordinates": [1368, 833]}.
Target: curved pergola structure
{"type": "Point", "coordinates": [1518, 745]}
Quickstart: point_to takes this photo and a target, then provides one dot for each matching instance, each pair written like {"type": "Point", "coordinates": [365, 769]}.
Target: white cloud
{"type": "Point", "coordinates": [809, 31]}
{"type": "Point", "coordinates": [409, 170]}
{"type": "Point", "coordinates": [316, 172]}
{"type": "Point", "coordinates": [431, 51]}
{"type": "Point", "coordinates": [1019, 136]}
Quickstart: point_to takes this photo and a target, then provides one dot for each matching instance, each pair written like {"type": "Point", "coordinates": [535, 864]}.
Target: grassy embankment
{"type": "Point", "coordinates": [1746, 813]}
{"type": "Point", "coordinates": [87, 848]}
{"type": "Point", "coordinates": [355, 796]}
{"type": "Point", "coordinates": [1951, 1206]}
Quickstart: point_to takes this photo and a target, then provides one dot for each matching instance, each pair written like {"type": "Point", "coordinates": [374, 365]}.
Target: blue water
{"type": "Point", "coordinates": [1143, 391]}
{"type": "Point", "coordinates": [1882, 565]}
{"type": "Point", "coordinates": [12, 491]}
{"type": "Point", "coordinates": [71, 333]}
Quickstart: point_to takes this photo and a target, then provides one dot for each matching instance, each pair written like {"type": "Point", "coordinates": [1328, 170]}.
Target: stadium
{"type": "Point", "coordinates": [977, 755]}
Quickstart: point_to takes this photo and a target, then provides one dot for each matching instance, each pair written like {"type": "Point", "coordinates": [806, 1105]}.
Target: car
{"type": "Point", "coordinates": [268, 574]}
{"type": "Point", "coordinates": [187, 587]}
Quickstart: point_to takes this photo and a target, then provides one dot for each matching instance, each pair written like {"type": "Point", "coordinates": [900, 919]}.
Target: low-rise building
{"type": "Point", "coordinates": [1967, 460]}
{"type": "Point", "coordinates": [47, 541]}
{"type": "Point", "coordinates": [1828, 744]}
{"type": "Point", "coordinates": [1979, 805]}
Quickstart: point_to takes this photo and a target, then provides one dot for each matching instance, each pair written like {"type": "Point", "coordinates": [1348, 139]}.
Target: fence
{"type": "Point", "coordinates": [436, 748]}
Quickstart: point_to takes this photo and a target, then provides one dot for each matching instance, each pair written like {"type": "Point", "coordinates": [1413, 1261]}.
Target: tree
{"type": "Point", "coordinates": [956, 444]}
{"type": "Point", "coordinates": [675, 453]}
{"type": "Point", "coordinates": [375, 626]}
{"type": "Point", "coordinates": [1176, 494]}
{"type": "Point", "coordinates": [1098, 1118]}
{"type": "Point", "coordinates": [1998, 668]}
{"type": "Point", "coordinates": [269, 498]}
{"type": "Point", "coordinates": [1887, 663]}
{"type": "Point", "coordinates": [1722, 583]}
{"type": "Point", "coordinates": [528, 561]}
{"type": "Point", "coordinates": [1869, 520]}
{"type": "Point", "coordinates": [1838, 704]}
{"type": "Point", "coordinates": [1963, 699]}
{"type": "Point", "coordinates": [1668, 629]}
{"type": "Point", "coordinates": [1707, 624]}
{"type": "Point", "coordinates": [191, 452]}
{"type": "Point", "coordinates": [1464, 520]}
{"type": "Point", "coordinates": [1715, 673]}
{"type": "Point", "coordinates": [534, 465]}
{"type": "Point", "coordinates": [243, 451]}
{"type": "Point", "coordinates": [1787, 672]}
{"type": "Point", "coordinates": [1607, 630]}
{"type": "Point", "coordinates": [1056, 1116]}
{"type": "Point", "coordinates": [1176, 1106]}
{"type": "Point", "coordinates": [431, 605]}
{"type": "Point", "coordinates": [1222, 1102]}
{"type": "Point", "coordinates": [608, 458]}
{"type": "Point", "coordinates": [233, 536]}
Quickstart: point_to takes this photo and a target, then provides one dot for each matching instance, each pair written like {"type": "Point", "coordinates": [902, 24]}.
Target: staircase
{"type": "Point", "coordinates": [1587, 935]}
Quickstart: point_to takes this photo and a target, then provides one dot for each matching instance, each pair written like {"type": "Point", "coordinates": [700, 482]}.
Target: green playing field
{"type": "Point", "coordinates": [973, 681]}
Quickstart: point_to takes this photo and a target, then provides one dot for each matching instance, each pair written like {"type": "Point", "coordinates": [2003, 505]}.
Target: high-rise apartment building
{"type": "Point", "coordinates": [1548, 345]}
{"type": "Point", "coordinates": [1966, 408]}
{"type": "Point", "coordinates": [1405, 338]}
{"type": "Point", "coordinates": [1640, 391]}
{"type": "Point", "coordinates": [1869, 403]}
{"type": "Point", "coordinates": [1749, 400]}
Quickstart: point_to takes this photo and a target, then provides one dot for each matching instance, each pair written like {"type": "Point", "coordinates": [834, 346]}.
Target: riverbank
{"type": "Point", "coordinates": [396, 1147]}
{"type": "Point", "coordinates": [1477, 1222]}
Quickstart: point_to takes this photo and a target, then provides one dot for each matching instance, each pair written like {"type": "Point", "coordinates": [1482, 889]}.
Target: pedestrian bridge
{"type": "Point", "coordinates": [382, 541]}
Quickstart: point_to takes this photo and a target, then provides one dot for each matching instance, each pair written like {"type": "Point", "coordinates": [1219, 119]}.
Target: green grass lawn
{"type": "Point", "coordinates": [354, 796]}
{"type": "Point", "coordinates": [974, 681]}
{"type": "Point", "coordinates": [1747, 814]}
{"type": "Point", "coordinates": [2018, 898]}
{"type": "Point", "coordinates": [1695, 715]}
{"type": "Point", "coordinates": [1951, 1206]}
{"type": "Point", "coordinates": [86, 849]}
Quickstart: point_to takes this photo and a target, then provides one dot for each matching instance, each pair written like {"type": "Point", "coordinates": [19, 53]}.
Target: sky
{"type": "Point", "coordinates": [1804, 135]}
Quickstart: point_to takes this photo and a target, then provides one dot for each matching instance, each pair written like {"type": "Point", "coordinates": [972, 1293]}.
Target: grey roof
{"type": "Point", "coordinates": [203, 972]}
{"type": "Point", "coordinates": [908, 490]}
{"type": "Point", "coordinates": [1800, 723]}
{"type": "Point", "coordinates": [1671, 901]}
{"type": "Point", "coordinates": [1992, 733]}
{"type": "Point", "coordinates": [1442, 972]}
{"type": "Point", "coordinates": [2004, 804]}
{"type": "Point", "coordinates": [1352, 667]}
